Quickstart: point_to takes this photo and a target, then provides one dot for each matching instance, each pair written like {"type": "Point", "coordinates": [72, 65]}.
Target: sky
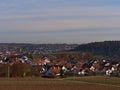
{"type": "Point", "coordinates": [59, 21]}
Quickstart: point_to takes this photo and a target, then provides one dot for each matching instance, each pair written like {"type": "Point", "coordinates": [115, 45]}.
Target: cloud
{"type": "Point", "coordinates": [16, 6]}
{"type": "Point", "coordinates": [84, 11]}
{"type": "Point", "coordinates": [56, 25]}
{"type": "Point", "coordinates": [48, 20]}
{"type": "Point", "coordinates": [62, 19]}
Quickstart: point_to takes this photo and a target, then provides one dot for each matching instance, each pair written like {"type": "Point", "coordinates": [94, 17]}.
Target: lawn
{"type": "Point", "coordinates": [79, 83]}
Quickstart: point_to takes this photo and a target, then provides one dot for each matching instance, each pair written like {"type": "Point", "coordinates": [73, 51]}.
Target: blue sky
{"type": "Point", "coordinates": [59, 21]}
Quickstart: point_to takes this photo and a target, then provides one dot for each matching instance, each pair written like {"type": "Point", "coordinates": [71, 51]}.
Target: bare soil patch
{"type": "Point", "coordinates": [56, 84]}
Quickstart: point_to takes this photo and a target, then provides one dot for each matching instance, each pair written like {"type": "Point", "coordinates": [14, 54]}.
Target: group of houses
{"type": "Point", "coordinates": [60, 67]}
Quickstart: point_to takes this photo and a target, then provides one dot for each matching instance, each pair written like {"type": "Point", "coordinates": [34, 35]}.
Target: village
{"type": "Point", "coordinates": [62, 64]}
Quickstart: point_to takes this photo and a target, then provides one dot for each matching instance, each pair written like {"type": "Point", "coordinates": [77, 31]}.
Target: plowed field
{"type": "Point", "coordinates": [73, 83]}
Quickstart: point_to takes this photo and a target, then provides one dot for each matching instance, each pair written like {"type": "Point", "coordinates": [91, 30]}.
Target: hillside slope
{"type": "Point", "coordinates": [106, 48]}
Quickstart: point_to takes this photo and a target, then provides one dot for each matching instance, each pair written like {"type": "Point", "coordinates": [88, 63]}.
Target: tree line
{"type": "Point", "coordinates": [106, 48]}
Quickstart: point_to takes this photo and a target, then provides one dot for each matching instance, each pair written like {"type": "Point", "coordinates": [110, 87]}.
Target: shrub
{"type": "Point", "coordinates": [20, 70]}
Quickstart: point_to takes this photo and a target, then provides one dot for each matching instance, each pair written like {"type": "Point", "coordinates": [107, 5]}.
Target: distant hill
{"type": "Point", "coordinates": [106, 48]}
{"type": "Point", "coordinates": [35, 48]}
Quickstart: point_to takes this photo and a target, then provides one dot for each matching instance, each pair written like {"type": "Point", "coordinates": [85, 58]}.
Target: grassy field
{"type": "Point", "coordinates": [79, 83]}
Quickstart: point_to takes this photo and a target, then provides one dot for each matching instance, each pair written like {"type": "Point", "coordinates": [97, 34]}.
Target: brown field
{"type": "Point", "coordinates": [79, 83]}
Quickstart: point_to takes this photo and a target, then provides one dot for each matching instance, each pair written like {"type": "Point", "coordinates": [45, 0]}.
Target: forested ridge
{"type": "Point", "coordinates": [106, 48]}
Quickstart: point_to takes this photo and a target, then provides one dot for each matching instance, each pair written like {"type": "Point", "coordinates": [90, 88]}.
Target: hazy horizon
{"type": "Point", "coordinates": [59, 21]}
